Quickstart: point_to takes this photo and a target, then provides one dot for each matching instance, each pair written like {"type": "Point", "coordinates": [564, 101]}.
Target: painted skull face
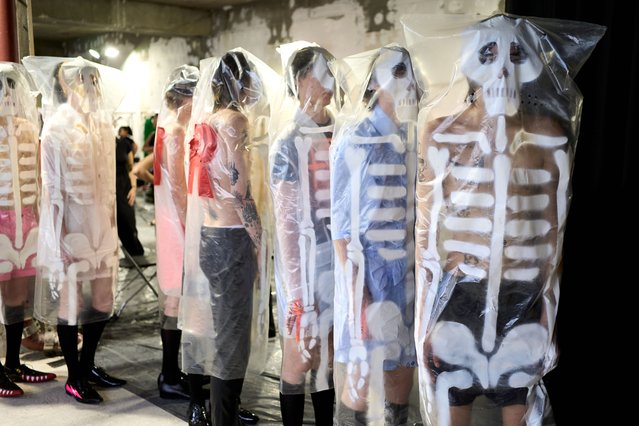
{"type": "Point", "coordinates": [498, 56]}
{"type": "Point", "coordinates": [394, 74]}
{"type": "Point", "coordinates": [84, 85]}
{"type": "Point", "coordinates": [7, 92]}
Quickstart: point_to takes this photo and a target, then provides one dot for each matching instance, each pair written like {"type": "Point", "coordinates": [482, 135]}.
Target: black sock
{"type": "Point", "coordinates": [170, 351]}
{"type": "Point", "coordinates": [68, 335]}
{"type": "Point", "coordinates": [14, 336]}
{"type": "Point", "coordinates": [292, 408]}
{"type": "Point", "coordinates": [323, 406]}
{"type": "Point", "coordinates": [92, 333]}
{"type": "Point", "coordinates": [395, 414]}
{"type": "Point", "coordinates": [348, 417]}
{"type": "Point", "coordinates": [195, 386]}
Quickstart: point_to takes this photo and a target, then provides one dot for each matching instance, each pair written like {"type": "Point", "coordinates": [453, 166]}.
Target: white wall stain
{"type": "Point", "coordinates": [339, 26]}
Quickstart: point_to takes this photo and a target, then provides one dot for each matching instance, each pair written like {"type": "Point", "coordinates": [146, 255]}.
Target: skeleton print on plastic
{"type": "Point", "coordinates": [77, 248]}
{"type": "Point", "coordinates": [373, 166]}
{"type": "Point", "coordinates": [493, 194]}
{"type": "Point", "coordinates": [19, 193]}
{"type": "Point", "coordinates": [299, 177]}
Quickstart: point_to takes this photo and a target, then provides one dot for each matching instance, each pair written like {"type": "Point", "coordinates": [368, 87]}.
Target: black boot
{"type": "Point", "coordinates": [196, 415]}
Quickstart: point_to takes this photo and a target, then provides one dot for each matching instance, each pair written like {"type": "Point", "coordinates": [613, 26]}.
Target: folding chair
{"type": "Point", "coordinates": [147, 281]}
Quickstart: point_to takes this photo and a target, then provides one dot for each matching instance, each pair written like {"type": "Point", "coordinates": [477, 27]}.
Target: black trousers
{"type": "Point", "coordinates": [127, 231]}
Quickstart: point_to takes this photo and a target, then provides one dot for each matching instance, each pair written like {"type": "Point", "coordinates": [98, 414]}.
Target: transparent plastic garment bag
{"type": "Point", "coordinates": [299, 180]}
{"type": "Point", "coordinates": [170, 187]}
{"type": "Point", "coordinates": [19, 193]}
{"type": "Point", "coordinates": [496, 147]}
{"type": "Point", "coordinates": [78, 243]}
{"type": "Point", "coordinates": [224, 306]}
{"type": "Point", "coordinates": [373, 165]}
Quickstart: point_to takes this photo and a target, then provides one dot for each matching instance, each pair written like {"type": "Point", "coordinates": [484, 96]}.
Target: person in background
{"type": "Point", "coordinates": [149, 133]}
{"type": "Point", "coordinates": [126, 185]}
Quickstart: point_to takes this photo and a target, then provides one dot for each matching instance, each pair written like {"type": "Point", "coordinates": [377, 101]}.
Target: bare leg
{"type": "Point", "coordinates": [513, 415]}
{"type": "Point", "coordinates": [294, 365]}
{"type": "Point", "coordinates": [398, 384]}
{"type": "Point", "coordinates": [102, 291]}
{"type": "Point", "coordinates": [460, 416]}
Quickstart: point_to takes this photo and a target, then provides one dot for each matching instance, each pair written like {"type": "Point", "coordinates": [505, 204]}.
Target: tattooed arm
{"type": "Point", "coordinates": [238, 175]}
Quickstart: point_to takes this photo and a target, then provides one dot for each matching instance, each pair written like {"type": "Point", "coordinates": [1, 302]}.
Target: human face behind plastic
{"type": "Point", "coordinates": [82, 86]}
{"type": "Point", "coordinates": [498, 56]}
{"type": "Point", "coordinates": [394, 75]}
{"type": "Point", "coordinates": [315, 87]}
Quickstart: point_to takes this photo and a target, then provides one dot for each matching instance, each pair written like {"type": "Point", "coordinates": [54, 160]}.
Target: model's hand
{"type": "Point", "coordinates": [294, 318]}
{"type": "Point", "coordinates": [429, 355]}
{"type": "Point", "coordinates": [357, 369]}
{"type": "Point", "coordinates": [131, 196]}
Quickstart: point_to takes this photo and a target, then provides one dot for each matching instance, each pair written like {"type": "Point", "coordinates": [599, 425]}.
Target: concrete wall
{"type": "Point", "coordinates": [343, 27]}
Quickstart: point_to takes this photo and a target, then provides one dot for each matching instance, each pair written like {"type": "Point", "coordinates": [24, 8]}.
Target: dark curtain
{"type": "Point", "coordinates": [598, 277]}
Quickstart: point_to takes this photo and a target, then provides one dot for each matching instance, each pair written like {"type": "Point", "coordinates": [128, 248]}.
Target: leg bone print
{"type": "Point", "coordinates": [357, 356]}
{"type": "Point", "coordinates": [359, 367]}
{"type": "Point", "coordinates": [308, 247]}
{"type": "Point", "coordinates": [18, 175]}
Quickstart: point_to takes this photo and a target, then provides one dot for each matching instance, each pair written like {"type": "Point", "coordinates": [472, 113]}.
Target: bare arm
{"type": "Point", "coordinates": [131, 195]}
{"type": "Point", "coordinates": [148, 148]}
{"type": "Point", "coordinates": [174, 143]}
{"type": "Point", "coordinates": [141, 169]}
{"type": "Point", "coordinates": [238, 175]}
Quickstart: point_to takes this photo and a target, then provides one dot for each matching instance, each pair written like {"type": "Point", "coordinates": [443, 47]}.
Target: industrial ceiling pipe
{"type": "Point", "coordinates": [8, 39]}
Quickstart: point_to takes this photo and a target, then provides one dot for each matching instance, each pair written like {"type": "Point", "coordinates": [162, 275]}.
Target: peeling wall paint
{"type": "Point", "coordinates": [343, 27]}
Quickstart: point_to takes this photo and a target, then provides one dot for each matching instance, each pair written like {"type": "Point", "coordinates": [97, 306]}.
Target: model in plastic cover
{"type": "Point", "coordinates": [170, 219]}
{"type": "Point", "coordinates": [372, 202]}
{"type": "Point", "coordinates": [223, 238]}
{"type": "Point", "coordinates": [304, 256]}
{"type": "Point", "coordinates": [19, 204]}
{"type": "Point", "coordinates": [77, 244]}
{"type": "Point", "coordinates": [493, 195]}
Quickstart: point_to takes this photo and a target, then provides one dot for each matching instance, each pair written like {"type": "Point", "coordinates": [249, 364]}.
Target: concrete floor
{"type": "Point", "coordinates": [131, 349]}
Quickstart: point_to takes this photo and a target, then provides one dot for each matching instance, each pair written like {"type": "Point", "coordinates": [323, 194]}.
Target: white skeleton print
{"type": "Point", "coordinates": [492, 201]}
{"type": "Point", "coordinates": [18, 173]}
{"type": "Point", "coordinates": [373, 184]}
{"type": "Point", "coordinates": [78, 241]}
{"type": "Point", "coordinates": [300, 185]}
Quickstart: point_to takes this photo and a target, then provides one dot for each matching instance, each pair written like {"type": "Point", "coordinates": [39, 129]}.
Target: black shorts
{"type": "Point", "coordinates": [500, 397]}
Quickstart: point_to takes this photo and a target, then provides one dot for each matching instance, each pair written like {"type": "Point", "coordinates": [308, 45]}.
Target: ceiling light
{"type": "Point", "coordinates": [94, 53]}
{"type": "Point", "coordinates": [111, 52]}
